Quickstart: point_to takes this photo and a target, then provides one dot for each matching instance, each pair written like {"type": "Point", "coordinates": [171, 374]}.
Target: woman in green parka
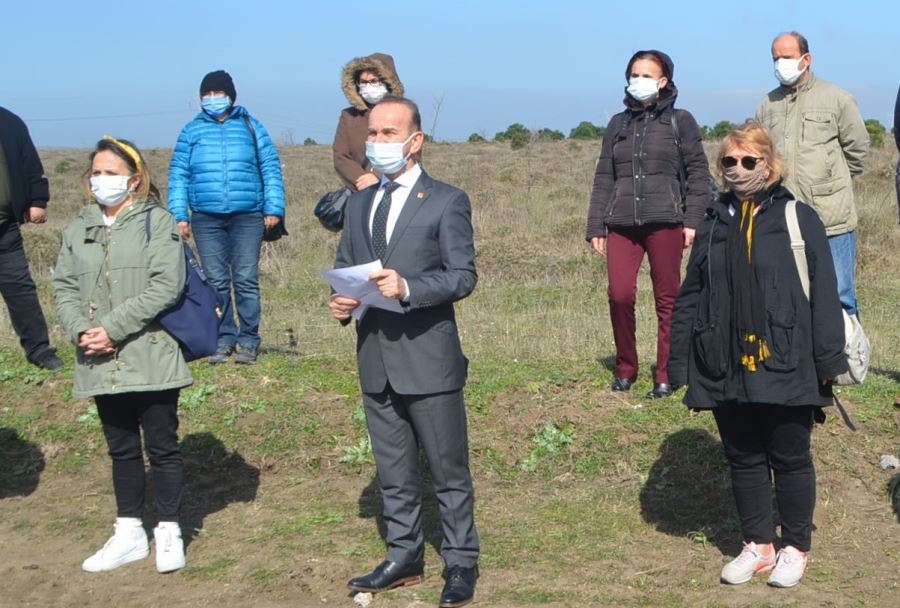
{"type": "Point", "coordinates": [110, 284]}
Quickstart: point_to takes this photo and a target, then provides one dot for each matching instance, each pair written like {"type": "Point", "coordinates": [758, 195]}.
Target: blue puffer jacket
{"type": "Point", "coordinates": [214, 168]}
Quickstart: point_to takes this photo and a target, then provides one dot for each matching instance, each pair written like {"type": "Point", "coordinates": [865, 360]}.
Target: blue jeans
{"type": "Point", "coordinates": [843, 251]}
{"type": "Point", "coordinates": [229, 250]}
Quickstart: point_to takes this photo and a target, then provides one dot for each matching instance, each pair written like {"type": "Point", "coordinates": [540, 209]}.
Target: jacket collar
{"type": "Point", "coordinates": [92, 216]}
{"type": "Point", "coordinates": [236, 112]}
{"type": "Point", "coordinates": [801, 88]}
{"type": "Point", "coordinates": [766, 198]}
{"type": "Point", "coordinates": [665, 100]}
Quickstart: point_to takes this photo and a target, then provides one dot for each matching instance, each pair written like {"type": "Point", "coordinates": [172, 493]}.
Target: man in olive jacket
{"type": "Point", "coordinates": [24, 192]}
{"type": "Point", "coordinates": [819, 131]}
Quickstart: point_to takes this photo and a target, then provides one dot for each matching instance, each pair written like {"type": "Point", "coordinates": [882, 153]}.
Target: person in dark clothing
{"type": "Point", "coordinates": [897, 178]}
{"type": "Point", "coordinates": [24, 192]}
{"type": "Point", "coordinates": [897, 141]}
{"type": "Point", "coordinates": [756, 351]}
{"type": "Point", "coordinates": [651, 188]}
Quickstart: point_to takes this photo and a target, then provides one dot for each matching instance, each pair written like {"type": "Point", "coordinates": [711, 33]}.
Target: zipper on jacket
{"type": "Point", "coordinates": [224, 141]}
{"type": "Point", "coordinates": [636, 169]}
{"type": "Point", "coordinates": [109, 301]}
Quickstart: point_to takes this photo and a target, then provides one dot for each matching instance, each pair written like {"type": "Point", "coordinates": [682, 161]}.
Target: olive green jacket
{"type": "Point", "coordinates": [113, 277]}
{"type": "Point", "coordinates": [819, 131]}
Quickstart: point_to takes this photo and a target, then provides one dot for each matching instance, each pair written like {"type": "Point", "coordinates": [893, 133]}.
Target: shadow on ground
{"type": "Point", "coordinates": [214, 478]}
{"type": "Point", "coordinates": [688, 492]}
{"type": "Point", "coordinates": [21, 463]}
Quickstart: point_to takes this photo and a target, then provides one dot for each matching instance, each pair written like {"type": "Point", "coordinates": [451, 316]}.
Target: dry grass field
{"type": "Point", "coordinates": [585, 497]}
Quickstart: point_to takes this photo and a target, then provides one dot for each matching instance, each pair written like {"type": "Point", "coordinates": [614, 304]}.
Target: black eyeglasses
{"type": "Point", "coordinates": [374, 81]}
{"type": "Point", "coordinates": [747, 162]}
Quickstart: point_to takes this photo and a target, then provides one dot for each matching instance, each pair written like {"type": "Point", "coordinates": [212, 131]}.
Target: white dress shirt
{"type": "Point", "coordinates": [398, 199]}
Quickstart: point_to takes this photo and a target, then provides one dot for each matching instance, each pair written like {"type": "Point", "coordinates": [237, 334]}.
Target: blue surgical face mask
{"type": "Point", "coordinates": [387, 157]}
{"type": "Point", "coordinates": [215, 105]}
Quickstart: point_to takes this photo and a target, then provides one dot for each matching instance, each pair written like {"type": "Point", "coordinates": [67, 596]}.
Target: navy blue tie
{"type": "Point", "coordinates": [379, 223]}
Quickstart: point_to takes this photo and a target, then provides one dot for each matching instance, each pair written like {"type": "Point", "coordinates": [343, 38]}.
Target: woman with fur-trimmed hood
{"type": "Point", "coordinates": [365, 80]}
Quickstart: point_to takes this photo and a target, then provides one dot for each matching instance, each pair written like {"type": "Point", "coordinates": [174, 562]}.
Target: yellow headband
{"type": "Point", "coordinates": [129, 150]}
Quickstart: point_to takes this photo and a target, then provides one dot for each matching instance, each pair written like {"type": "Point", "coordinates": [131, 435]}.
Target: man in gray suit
{"type": "Point", "coordinates": [411, 366]}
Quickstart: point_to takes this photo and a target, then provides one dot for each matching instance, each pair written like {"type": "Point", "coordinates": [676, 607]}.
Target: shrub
{"type": "Point", "coordinates": [309, 141]}
{"type": "Point", "coordinates": [587, 130]}
{"type": "Point", "coordinates": [718, 131]}
{"type": "Point", "coordinates": [519, 140]}
{"type": "Point", "coordinates": [512, 130]}
{"type": "Point", "coordinates": [549, 135]}
{"type": "Point", "coordinates": [876, 132]}
{"type": "Point", "coordinates": [476, 138]}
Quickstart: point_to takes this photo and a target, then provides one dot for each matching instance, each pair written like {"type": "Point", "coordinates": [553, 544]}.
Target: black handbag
{"type": "Point", "coordinates": [275, 232]}
{"type": "Point", "coordinates": [330, 209]}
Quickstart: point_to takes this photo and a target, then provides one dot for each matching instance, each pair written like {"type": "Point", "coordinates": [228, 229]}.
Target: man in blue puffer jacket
{"type": "Point", "coordinates": [226, 169]}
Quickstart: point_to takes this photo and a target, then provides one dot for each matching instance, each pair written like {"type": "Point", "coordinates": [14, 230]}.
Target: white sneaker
{"type": "Point", "coordinates": [789, 567]}
{"type": "Point", "coordinates": [752, 560]}
{"type": "Point", "coordinates": [128, 544]}
{"type": "Point", "coordinates": [169, 547]}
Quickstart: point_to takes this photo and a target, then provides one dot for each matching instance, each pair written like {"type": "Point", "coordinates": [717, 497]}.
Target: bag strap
{"type": "Point", "coordinates": [682, 174]}
{"type": "Point", "coordinates": [250, 128]}
{"type": "Point", "coordinates": [844, 414]}
{"type": "Point", "coordinates": [147, 225]}
{"type": "Point", "coordinates": [798, 245]}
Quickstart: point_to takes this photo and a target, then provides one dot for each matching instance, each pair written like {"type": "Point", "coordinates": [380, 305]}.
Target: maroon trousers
{"type": "Point", "coordinates": [625, 249]}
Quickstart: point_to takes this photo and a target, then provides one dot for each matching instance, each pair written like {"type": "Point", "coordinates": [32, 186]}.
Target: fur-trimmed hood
{"type": "Point", "coordinates": [381, 63]}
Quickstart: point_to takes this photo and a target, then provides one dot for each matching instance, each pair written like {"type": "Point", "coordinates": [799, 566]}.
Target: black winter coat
{"type": "Point", "coordinates": [805, 337]}
{"type": "Point", "coordinates": [637, 177]}
{"type": "Point", "coordinates": [27, 183]}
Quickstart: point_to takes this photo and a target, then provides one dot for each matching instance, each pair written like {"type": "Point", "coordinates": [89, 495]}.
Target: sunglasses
{"type": "Point", "coordinates": [747, 162]}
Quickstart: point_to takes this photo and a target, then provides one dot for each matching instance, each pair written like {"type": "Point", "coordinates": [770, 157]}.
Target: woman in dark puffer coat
{"type": "Point", "coordinates": [651, 188]}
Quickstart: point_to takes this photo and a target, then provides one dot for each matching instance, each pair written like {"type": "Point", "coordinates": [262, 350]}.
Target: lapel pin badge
{"type": "Point", "coordinates": [420, 195]}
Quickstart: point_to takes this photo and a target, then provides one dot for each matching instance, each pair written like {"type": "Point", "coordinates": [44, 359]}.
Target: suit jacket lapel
{"type": "Point", "coordinates": [417, 195]}
{"type": "Point", "coordinates": [364, 220]}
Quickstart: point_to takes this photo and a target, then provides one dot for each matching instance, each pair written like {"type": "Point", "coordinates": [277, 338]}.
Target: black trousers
{"type": "Point", "coordinates": [123, 416]}
{"type": "Point", "coordinates": [20, 294]}
{"type": "Point", "coordinates": [763, 441]}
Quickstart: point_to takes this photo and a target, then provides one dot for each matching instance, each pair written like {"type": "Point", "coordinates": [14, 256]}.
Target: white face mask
{"type": "Point", "coordinates": [387, 157]}
{"type": "Point", "coordinates": [643, 89]}
{"type": "Point", "coordinates": [788, 71]}
{"type": "Point", "coordinates": [372, 93]}
{"type": "Point", "coordinates": [110, 190]}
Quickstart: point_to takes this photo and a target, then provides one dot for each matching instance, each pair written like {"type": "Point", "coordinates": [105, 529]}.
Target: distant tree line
{"type": "Point", "coordinates": [519, 136]}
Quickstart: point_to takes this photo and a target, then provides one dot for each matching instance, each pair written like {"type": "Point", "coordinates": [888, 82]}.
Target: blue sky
{"type": "Point", "coordinates": [133, 69]}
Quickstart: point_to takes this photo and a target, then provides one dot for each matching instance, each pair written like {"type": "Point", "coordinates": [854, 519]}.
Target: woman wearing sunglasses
{"type": "Point", "coordinates": [651, 188]}
{"type": "Point", "coordinates": [756, 351]}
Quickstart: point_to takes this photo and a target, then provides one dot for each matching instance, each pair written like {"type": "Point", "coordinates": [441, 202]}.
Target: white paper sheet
{"type": "Point", "coordinates": [353, 282]}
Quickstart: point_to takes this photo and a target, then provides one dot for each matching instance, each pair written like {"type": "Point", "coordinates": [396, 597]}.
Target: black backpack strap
{"type": "Point", "coordinates": [682, 174]}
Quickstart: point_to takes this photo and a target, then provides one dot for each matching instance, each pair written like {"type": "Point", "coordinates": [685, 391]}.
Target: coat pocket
{"type": "Point", "coordinates": [711, 350]}
{"type": "Point", "coordinates": [818, 127]}
{"type": "Point", "coordinates": [832, 200]}
{"type": "Point", "coordinates": [784, 354]}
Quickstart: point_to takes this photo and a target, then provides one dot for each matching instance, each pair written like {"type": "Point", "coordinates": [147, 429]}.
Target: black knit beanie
{"type": "Point", "coordinates": [220, 80]}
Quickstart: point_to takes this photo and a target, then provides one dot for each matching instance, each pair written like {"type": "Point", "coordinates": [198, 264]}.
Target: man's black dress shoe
{"type": "Point", "coordinates": [460, 587]}
{"type": "Point", "coordinates": [660, 390]}
{"type": "Point", "coordinates": [388, 575]}
{"type": "Point", "coordinates": [622, 384]}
